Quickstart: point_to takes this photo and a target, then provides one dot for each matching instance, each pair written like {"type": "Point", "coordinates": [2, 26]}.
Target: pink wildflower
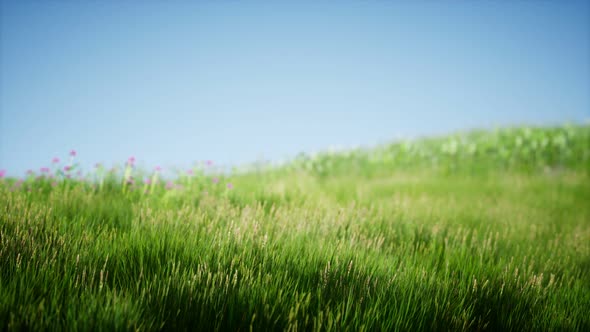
{"type": "Point", "coordinates": [230, 186]}
{"type": "Point", "coordinates": [131, 161]}
{"type": "Point", "coordinates": [55, 160]}
{"type": "Point", "coordinates": [169, 185]}
{"type": "Point", "coordinates": [29, 172]}
{"type": "Point", "coordinates": [189, 172]}
{"type": "Point", "coordinates": [215, 180]}
{"type": "Point", "coordinates": [2, 173]}
{"type": "Point", "coordinates": [73, 153]}
{"type": "Point", "coordinates": [67, 168]}
{"type": "Point", "coordinates": [147, 181]}
{"type": "Point", "coordinates": [209, 162]}
{"type": "Point", "coordinates": [44, 169]}
{"type": "Point", "coordinates": [158, 168]}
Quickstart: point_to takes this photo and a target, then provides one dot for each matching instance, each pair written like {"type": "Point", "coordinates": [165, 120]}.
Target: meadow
{"type": "Point", "coordinates": [481, 230]}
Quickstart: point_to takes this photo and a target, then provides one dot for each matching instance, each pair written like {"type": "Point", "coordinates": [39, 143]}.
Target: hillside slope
{"type": "Point", "coordinates": [476, 231]}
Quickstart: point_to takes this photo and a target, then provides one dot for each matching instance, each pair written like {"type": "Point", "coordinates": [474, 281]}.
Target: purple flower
{"type": "Point", "coordinates": [2, 173]}
{"type": "Point", "coordinates": [215, 180]}
{"type": "Point", "coordinates": [73, 153]}
{"type": "Point", "coordinates": [44, 169]}
{"type": "Point", "coordinates": [209, 162]}
{"type": "Point", "coordinates": [30, 172]}
{"type": "Point", "coordinates": [190, 172]}
{"type": "Point", "coordinates": [55, 160]}
{"type": "Point", "coordinates": [158, 168]}
{"type": "Point", "coordinates": [169, 185]}
{"type": "Point", "coordinates": [67, 168]}
{"type": "Point", "coordinates": [147, 181]}
{"type": "Point", "coordinates": [230, 186]}
{"type": "Point", "coordinates": [131, 161]}
{"type": "Point", "coordinates": [130, 181]}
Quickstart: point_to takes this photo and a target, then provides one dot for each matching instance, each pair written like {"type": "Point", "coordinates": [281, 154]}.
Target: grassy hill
{"type": "Point", "coordinates": [472, 231]}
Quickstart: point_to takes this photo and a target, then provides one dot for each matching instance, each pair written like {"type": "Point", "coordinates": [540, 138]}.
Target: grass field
{"type": "Point", "coordinates": [474, 231]}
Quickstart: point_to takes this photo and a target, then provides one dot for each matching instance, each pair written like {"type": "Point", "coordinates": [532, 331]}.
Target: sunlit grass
{"type": "Point", "coordinates": [478, 231]}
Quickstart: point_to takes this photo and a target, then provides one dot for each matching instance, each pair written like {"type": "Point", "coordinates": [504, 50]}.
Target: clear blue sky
{"type": "Point", "coordinates": [174, 82]}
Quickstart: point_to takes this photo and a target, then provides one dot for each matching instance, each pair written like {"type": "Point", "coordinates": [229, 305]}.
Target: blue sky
{"type": "Point", "coordinates": [175, 82]}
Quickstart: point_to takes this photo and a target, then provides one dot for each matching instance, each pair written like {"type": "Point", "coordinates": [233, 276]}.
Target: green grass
{"type": "Point", "coordinates": [476, 231]}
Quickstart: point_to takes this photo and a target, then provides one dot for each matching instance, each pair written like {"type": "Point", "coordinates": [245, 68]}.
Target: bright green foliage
{"type": "Point", "coordinates": [483, 231]}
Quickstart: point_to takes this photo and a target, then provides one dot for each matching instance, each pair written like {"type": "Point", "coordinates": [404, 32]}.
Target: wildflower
{"type": "Point", "coordinates": [230, 186]}
{"type": "Point", "coordinates": [67, 168]}
{"type": "Point", "coordinates": [2, 173]}
{"type": "Point", "coordinates": [169, 185]}
{"type": "Point", "coordinates": [29, 172]}
{"type": "Point", "coordinates": [55, 160]}
{"type": "Point", "coordinates": [73, 153]}
{"type": "Point", "coordinates": [98, 165]}
{"type": "Point", "coordinates": [190, 172]}
{"type": "Point", "coordinates": [127, 175]}
{"type": "Point", "coordinates": [158, 169]}
{"type": "Point", "coordinates": [44, 169]}
{"type": "Point", "coordinates": [147, 181]}
{"type": "Point", "coordinates": [215, 180]}
{"type": "Point", "coordinates": [209, 162]}
{"type": "Point", "coordinates": [53, 184]}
